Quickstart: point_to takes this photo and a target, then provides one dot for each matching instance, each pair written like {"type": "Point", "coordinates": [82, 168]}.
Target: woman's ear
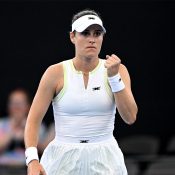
{"type": "Point", "coordinates": [72, 37]}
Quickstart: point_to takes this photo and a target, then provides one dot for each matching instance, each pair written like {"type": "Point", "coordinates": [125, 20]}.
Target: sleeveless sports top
{"type": "Point", "coordinates": [84, 112]}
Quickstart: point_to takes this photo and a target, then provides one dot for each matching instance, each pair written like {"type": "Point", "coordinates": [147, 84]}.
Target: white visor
{"type": "Point", "coordinates": [85, 21]}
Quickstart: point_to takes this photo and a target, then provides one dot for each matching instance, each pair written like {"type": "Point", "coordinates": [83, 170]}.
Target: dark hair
{"type": "Point", "coordinates": [85, 12]}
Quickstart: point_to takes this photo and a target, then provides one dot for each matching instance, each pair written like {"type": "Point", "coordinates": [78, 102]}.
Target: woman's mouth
{"type": "Point", "coordinates": [91, 47]}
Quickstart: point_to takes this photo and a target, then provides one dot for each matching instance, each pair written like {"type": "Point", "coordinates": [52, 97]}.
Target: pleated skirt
{"type": "Point", "coordinates": [99, 158]}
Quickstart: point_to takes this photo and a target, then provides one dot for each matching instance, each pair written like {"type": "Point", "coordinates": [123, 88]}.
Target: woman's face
{"type": "Point", "coordinates": [88, 43]}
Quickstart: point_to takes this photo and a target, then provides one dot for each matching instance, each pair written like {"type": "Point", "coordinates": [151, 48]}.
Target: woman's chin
{"type": "Point", "coordinates": [92, 56]}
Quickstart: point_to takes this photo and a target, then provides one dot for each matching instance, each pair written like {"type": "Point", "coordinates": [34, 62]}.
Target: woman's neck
{"type": "Point", "coordinates": [85, 64]}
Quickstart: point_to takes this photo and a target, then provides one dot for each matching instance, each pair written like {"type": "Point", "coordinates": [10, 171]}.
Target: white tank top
{"type": "Point", "coordinates": [84, 113]}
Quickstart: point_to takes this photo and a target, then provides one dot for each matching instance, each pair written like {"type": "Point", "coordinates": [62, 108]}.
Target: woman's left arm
{"type": "Point", "coordinates": [124, 98]}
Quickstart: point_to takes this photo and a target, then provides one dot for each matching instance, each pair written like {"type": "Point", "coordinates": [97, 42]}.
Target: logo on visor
{"type": "Point", "coordinates": [91, 18]}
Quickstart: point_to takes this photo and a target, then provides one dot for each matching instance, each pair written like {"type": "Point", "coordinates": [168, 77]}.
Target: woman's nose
{"type": "Point", "coordinates": [91, 39]}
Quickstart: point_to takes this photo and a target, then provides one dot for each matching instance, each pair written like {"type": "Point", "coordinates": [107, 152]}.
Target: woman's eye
{"type": "Point", "coordinates": [85, 33]}
{"type": "Point", "coordinates": [97, 33]}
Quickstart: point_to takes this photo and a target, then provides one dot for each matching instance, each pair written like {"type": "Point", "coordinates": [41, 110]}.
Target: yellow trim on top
{"type": "Point", "coordinates": [107, 86]}
{"type": "Point", "coordinates": [80, 72]}
{"type": "Point", "coordinates": [73, 67]}
{"type": "Point", "coordinates": [61, 93]}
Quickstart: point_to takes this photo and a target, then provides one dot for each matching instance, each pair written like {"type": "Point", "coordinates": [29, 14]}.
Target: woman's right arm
{"type": "Point", "coordinates": [44, 95]}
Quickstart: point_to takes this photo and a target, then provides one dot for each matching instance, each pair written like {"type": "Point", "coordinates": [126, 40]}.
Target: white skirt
{"type": "Point", "coordinates": [99, 158]}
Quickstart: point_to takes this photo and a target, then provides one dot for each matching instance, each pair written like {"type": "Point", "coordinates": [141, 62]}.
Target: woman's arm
{"type": "Point", "coordinates": [39, 107]}
{"type": "Point", "coordinates": [124, 98]}
{"type": "Point", "coordinates": [45, 93]}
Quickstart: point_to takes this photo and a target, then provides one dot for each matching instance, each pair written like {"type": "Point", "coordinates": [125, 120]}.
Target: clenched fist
{"type": "Point", "coordinates": [112, 64]}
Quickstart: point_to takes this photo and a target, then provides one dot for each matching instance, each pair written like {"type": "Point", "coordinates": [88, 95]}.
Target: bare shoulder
{"type": "Point", "coordinates": [52, 79]}
{"type": "Point", "coordinates": [55, 70]}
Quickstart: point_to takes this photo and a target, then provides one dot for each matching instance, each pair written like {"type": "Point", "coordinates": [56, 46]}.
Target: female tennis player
{"type": "Point", "coordinates": [85, 92]}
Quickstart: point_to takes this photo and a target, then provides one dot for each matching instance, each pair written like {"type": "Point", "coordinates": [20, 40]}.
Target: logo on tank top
{"type": "Point", "coordinates": [96, 88]}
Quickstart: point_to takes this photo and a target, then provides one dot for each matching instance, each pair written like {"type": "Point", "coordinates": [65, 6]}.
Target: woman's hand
{"type": "Point", "coordinates": [112, 64]}
{"type": "Point", "coordinates": [35, 168]}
